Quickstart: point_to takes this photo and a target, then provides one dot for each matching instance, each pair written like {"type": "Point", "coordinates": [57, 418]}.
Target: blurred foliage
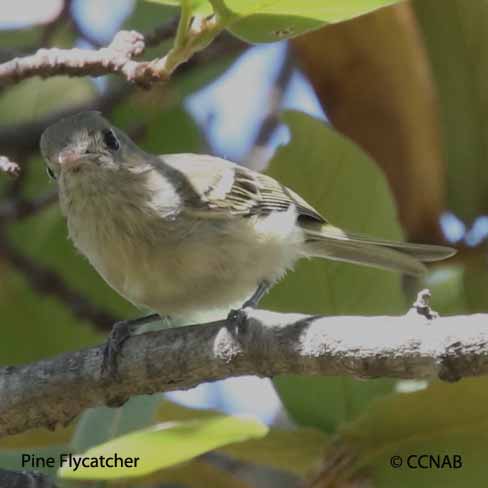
{"type": "Point", "coordinates": [337, 178]}
{"type": "Point", "coordinates": [438, 421]}
{"type": "Point", "coordinates": [33, 98]}
{"type": "Point", "coordinates": [293, 450]}
{"type": "Point", "coordinates": [365, 98]}
{"type": "Point", "coordinates": [195, 474]}
{"type": "Point", "coordinates": [392, 95]}
{"type": "Point", "coordinates": [456, 40]}
{"type": "Point", "coordinates": [179, 440]}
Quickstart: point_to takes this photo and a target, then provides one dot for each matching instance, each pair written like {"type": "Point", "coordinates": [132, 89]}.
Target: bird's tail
{"type": "Point", "coordinates": [333, 243]}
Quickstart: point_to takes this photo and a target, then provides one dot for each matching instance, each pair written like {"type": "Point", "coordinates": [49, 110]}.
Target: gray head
{"type": "Point", "coordinates": [85, 142]}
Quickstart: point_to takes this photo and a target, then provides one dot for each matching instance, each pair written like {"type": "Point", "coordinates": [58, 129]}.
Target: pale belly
{"type": "Point", "coordinates": [213, 265]}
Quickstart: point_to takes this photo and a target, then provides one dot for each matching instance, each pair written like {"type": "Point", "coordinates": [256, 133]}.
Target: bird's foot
{"type": "Point", "coordinates": [119, 334]}
{"type": "Point", "coordinates": [236, 321]}
{"type": "Point", "coordinates": [121, 331]}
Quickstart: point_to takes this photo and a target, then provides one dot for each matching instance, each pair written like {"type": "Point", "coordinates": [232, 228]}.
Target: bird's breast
{"type": "Point", "coordinates": [177, 266]}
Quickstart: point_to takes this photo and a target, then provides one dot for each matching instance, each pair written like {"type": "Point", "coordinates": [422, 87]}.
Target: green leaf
{"type": "Point", "coordinates": [449, 290]}
{"type": "Point", "coordinates": [295, 450]}
{"type": "Point", "coordinates": [269, 21]}
{"type": "Point", "coordinates": [18, 39]}
{"type": "Point", "coordinates": [443, 419]}
{"type": "Point", "coordinates": [275, 20]}
{"type": "Point", "coordinates": [476, 284]}
{"type": "Point", "coordinates": [456, 44]}
{"type": "Point", "coordinates": [338, 179]}
{"type": "Point", "coordinates": [164, 129]}
{"type": "Point", "coordinates": [42, 328]}
{"type": "Point", "coordinates": [167, 444]}
{"type": "Point", "coordinates": [201, 7]}
{"type": "Point", "coordinates": [37, 438]}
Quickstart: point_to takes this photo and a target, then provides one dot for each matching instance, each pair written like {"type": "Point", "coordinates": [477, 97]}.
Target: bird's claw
{"type": "Point", "coordinates": [113, 347]}
{"type": "Point", "coordinates": [236, 320]}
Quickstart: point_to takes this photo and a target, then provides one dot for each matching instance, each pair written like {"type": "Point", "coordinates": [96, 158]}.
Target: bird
{"type": "Point", "coordinates": [179, 234]}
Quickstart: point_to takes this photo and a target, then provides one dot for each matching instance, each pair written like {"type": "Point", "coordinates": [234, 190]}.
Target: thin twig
{"type": "Point", "coordinates": [256, 158]}
{"type": "Point", "coordinates": [117, 58]}
{"type": "Point", "coordinates": [263, 343]}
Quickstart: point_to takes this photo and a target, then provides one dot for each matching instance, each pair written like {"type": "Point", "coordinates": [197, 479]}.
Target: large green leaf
{"type": "Point", "coordinates": [294, 450]}
{"type": "Point", "coordinates": [444, 419]}
{"type": "Point", "coordinates": [455, 37]}
{"type": "Point", "coordinates": [275, 20]}
{"type": "Point", "coordinates": [167, 444]}
{"type": "Point", "coordinates": [337, 178]}
{"type": "Point", "coordinates": [269, 21]}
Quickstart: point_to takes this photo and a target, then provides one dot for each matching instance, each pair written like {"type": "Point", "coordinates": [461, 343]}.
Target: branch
{"type": "Point", "coordinates": [258, 155]}
{"type": "Point", "coordinates": [117, 58]}
{"type": "Point", "coordinates": [265, 344]}
{"type": "Point", "coordinates": [26, 135]}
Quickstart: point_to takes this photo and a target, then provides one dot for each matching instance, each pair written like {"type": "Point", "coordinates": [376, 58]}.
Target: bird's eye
{"type": "Point", "coordinates": [110, 139]}
{"type": "Point", "coordinates": [50, 173]}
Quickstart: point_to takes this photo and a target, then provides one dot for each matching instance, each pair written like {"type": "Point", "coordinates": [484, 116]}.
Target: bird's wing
{"type": "Point", "coordinates": [224, 188]}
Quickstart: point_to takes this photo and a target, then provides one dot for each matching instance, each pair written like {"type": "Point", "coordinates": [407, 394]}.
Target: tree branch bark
{"type": "Point", "coordinates": [55, 391]}
{"type": "Point", "coordinates": [116, 58]}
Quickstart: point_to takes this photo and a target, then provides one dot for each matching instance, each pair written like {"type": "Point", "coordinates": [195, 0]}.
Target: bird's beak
{"type": "Point", "coordinates": [70, 158]}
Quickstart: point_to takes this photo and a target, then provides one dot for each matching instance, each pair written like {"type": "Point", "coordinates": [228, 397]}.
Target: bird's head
{"type": "Point", "coordinates": [85, 142]}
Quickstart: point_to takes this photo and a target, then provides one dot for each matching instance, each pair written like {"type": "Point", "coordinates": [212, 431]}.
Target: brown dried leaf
{"type": "Point", "coordinates": [373, 78]}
